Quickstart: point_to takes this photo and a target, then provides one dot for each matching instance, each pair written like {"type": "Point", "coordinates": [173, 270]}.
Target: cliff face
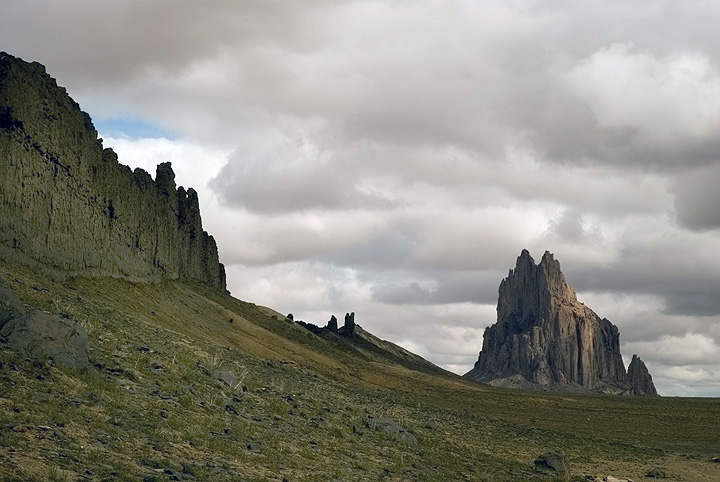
{"type": "Point", "coordinates": [545, 338]}
{"type": "Point", "coordinates": [69, 207]}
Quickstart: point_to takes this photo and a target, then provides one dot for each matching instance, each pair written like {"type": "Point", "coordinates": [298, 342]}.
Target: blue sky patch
{"type": "Point", "coordinates": [130, 128]}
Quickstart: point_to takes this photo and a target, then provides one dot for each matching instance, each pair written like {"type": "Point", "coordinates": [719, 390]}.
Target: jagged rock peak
{"type": "Point", "coordinates": [545, 338]}
{"type": "Point", "coordinates": [349, 327]}
{"type": "Point", "coordinates": [69, 207]}
{"type": "Point", "coordinates": [546, 278]}
{"type": "Point", "coordinates": [332, 325]}
{"type": "Point", "coordinates": [640, 379]}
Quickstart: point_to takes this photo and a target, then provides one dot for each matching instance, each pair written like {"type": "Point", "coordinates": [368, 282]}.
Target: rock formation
{"type": "Point", "coordinates": [332, 324]}
{"type": "Point", "coordinates": [68, 207]}
{"type": "Point", "coordinates": [640, 378]}
{"type": "Point", "coordinates": [545, 338]}
{"type": "Point", "coordinates": [349, 326]}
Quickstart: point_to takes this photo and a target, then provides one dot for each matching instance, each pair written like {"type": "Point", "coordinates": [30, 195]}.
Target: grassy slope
{"type": "Point", "coordinates": [153, 403]}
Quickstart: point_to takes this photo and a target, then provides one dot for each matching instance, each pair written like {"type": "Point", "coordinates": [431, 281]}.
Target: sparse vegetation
{"type": "Point", "coordinates": [154, 408]}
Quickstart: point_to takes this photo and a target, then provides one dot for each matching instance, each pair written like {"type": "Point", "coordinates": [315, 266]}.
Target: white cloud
{"type": "Point", "coordinates": [392, 158]}
{"type": "Point", "coordinates": [655, 102]}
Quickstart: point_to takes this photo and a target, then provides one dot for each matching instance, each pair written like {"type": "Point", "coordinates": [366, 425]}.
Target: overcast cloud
{"type": "Point", "coordinates": [392, 158]}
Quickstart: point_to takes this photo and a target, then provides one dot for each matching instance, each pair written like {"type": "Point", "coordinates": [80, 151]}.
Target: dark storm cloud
{"type": "Point", "coordinates": [697, 198]}
{"type": "Point", "coordinates": [121, 42]}
{"type": "Point", "coordinates": [685, 275]}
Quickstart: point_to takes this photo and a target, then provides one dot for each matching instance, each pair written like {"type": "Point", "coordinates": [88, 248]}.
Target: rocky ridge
{"type": "Point", "coordinates": [70, 208]}
{"type": "Point", "coordinates": [545, 338]}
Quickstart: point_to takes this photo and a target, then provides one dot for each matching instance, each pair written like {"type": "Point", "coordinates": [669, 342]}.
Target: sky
{"type": "Point", "coordinates": [393, 158]}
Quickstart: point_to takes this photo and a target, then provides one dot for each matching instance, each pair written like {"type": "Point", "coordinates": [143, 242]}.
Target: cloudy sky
{"type": "Point", "coordinates": [392, 158]}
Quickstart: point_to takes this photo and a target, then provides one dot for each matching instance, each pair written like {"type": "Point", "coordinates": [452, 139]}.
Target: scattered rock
{"type": "Point", "coordinates": [152, 463]}
{"type": "Point", "coordinates": [40, 335]}
{"type": "Point", "coordinates": [390, 428]}
{"type": "Point", "coordinates": [432, 425]}
{"type": "Point", "coordinates": [554, 461]}
{"type": "Point", "coordinates": [175, 475]}
{"type": "Point", "coordinates": [227, 377]}
{"type": "Point", "coordinates": [254, 447]}
{"type": "Point", "coordinates": [656, 472]}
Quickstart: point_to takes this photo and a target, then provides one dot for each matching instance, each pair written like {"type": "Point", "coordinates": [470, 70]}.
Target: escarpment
{"type": "Point", "coordinates": [545, 338]}
{"type": "Point", "coordinates": [68, 207]}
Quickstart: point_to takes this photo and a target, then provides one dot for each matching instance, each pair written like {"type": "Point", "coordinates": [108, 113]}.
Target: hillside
{"type": "Point", "coordinates": [297, 405]}
{"type": "Point", "coordinates": [171, 378]}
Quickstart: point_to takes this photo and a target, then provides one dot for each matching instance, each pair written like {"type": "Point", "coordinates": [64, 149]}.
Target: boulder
{"type": "Point", "coordinates": [554, 461]}
{"type": "Point", "coordinates": [390, 428]}
{"type": "Point", "coordinates": [226, 377]}
{"type": "Point", "coordinates": [39, 335]}
{"type": "Point", "coordinates": [657, 473]}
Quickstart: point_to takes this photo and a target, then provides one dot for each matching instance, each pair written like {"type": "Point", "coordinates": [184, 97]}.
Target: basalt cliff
{"type": "Point", "coordinates": [546, 339]}
{"type": "Point", "coordinates": [68, 207]}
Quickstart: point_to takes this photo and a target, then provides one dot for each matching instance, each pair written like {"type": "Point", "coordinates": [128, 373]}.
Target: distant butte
{"type": "Point", "coordinates": [545, 339]}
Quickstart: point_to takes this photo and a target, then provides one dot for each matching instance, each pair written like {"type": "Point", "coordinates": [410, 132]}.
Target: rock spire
{"type": "Point", "coordinates": [640, 378]}
{"type": "Point", "coordinates": [545, 338]}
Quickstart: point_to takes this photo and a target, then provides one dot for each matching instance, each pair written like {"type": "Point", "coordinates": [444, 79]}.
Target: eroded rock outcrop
{"type": "Point", "coordinates": [545, 338]}
{"type": "Point", "coordinates": [69, 207]}
{"type": "Point", "coordinates": [640, 379]}
{"type": "Point", "coordinates": [349, 327]}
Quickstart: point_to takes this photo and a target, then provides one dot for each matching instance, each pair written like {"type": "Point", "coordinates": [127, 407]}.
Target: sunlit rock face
{"type": "Point", "coordinates": [68, 207]}
{"type": "Point", "coordinates": [545, 338]}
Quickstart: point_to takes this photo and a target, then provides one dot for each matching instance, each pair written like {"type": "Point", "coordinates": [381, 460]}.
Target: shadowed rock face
{"type": "Point", "coordinates": [640, 379]}
{"type": "Point", "coordinates": [69, 207]}
{"type": "Point", "coordinates": [545, 339]}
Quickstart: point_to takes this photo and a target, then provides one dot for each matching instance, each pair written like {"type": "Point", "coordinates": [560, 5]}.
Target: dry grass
{"type": "Point", "coordinates": [152, 405]}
